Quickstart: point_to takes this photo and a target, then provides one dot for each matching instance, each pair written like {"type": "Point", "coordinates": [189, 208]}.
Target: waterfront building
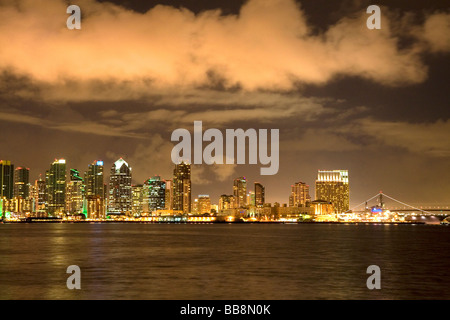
{"type": "Point", "coordinates": [40, 197]}
{"type": "Point", "coordinates": [251, 198]}
{"type": "Point", "coordinates": [22, 182]}
{"type": "Point", "coordinates": [182, 187]}
{"type": "Point", "coordinates": [120, 194]}
{"type": "Point", "coordinates": [74, 193]}
{"type": "Point", "coordinates": [55, 188]}
{"type": "Point", "coordinates": [240, 192]}
{"type": "Point", "coordinates": [137, 196]}
{"type": "Point", "coordinates": [156, 193]}
{"type": "Point", "coordinates": [259, 194]}
{"type": "Point", "coordinates": [55, 184]}
{"type": "Point", "coordinates": [169, 195]}
{"type": "Point", "coordinates": [6, 179]}
{"type": "Point", "coordinates": [95, 189]}
{"type": "Point", "coordinates": [322, 207]}
{"type": "Point", "coordinates": [204, 204]}
{"type": "Point", "coordinates": [333, 186]}
{"type": "Point", "coordinates": [226, 202]}
{"type": "Point", "coordinates": [299, 195]}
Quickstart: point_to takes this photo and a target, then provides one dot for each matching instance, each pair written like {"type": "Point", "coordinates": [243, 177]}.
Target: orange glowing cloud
{"type": "Point", "coordinates": [269, 45]}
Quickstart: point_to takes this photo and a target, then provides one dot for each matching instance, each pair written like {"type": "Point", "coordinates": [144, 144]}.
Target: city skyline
{"type": "Point", "coordinates": [380, 112]}
{"type": "Point", "coordinates": [305, 190]}
{"type": "Point", "coordinates": [95, 187]}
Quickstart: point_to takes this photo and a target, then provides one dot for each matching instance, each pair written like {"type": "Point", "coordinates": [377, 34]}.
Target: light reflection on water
{"type": "Point", "coordinates": [145, 261]}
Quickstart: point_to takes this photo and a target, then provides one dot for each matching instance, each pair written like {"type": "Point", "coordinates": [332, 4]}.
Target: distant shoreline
{"type": "Point", "coordinates": [211, 222]}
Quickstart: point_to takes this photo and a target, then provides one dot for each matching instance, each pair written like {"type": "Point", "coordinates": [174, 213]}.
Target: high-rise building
{"type": "Point", "coordinates": [55, 184]}
{"type": "Point", "coordinates": [333, 186]}
{"type": "Point", "coordinates": [226, 202]}
{"type": "Point", "coordinates": [182, 187]}
{"type": "Point", "coordinates": [156, 193]}
{"type": "Point", "coordinates": [74, 193]}
{"type": "Point", "coordinates": [251, 198]}
{"type": "Point", "coordinates": [299, 195]}
{"type": "Point", "coordinates": [137, 200]}
{"type": "Point", "coordinates": [22, 182]}
{"type": "Point", "coordinates": [40, 197]}
{"type": "Point", "coordinates": [169, 195]}
{"type": "Point", "coordinates": [95, 190]}
{"type": "Point", "coordinates": [120, 188]}
{"type": "Point", "coordinates": [240, 192]}
{"type": "Point", "coordinates": [259, 194]}
{"type": "Point", "coordinates": [6, 179]}
{"type": "Point", "coordinates": [203, 204]}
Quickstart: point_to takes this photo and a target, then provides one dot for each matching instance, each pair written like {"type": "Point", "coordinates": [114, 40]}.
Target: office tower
{"type": "Point", "coordinates": [137, 201]}
{"type": "Point", "coordinates": [169, 195]}
{"type": "Point", "coordinates": [203, 204]}
{"type": "Point", "coordinates": [55, 184]}
{"type": "Point", "coordinates": [120, 188]}
{"type": "Point", "coordinates": [6, 179]}
{"type": "Point", "coordinates": [259, 194]}
{"type": "Point", "coordinates": [95, 190]}
{"type": "Point", "coordinates": [182, 187]}
{"type": "Point", "coordinates": [22, 183]}
{"type": "Point", "coordinates": [40, 196]}
{"type": "Point", "coordinates": [74, 193]}
{"type": "Point", "coordinates": [299, 195]}
{"type": "Point", "coordinates": [156, 193]}
{"type": "Point", "coordinates": [333, 186]}
{"type": "Point", "coordinates": [226, 202]}
{"type": "Point", "coordinates": [240, 192]}
{"type": "Point", "coordinates": [251, 200]}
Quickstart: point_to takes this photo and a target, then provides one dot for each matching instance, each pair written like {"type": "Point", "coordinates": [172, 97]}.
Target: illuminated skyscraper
{"type": "Point", "coordinates": [259, 194]}
{"type": "Point", "coordinates": [137, 199]}
{"type": "Point", "coordinates": [240, 192]}
{"type": "Point", "coordinates": [95, 190]}
{"type": "Point", "coordinates": [40, 196]}
{"type": "Point", "coordinates": [169, 195]}
{"type": "Point", "coordinates": [55, 184]}
{"type": "Point", "coordinates": [333, 186]}
{"type": "Point", "coordinates": [156, 193]}
{"type": "Point", "coordinates": [203, 204]}
{"type": "Point", "coordinates": [6, 179]}
{"type": "Point", "coordinates": [22, 182]}
{"type": "Point", "coordinates": [182, 187]}
{"type": "Point", "coordinates": [299, 195]}
{"type": "Point", "coordinates": [251, 201]}
{"type": "Point", "coordinates": [120, 188]}
{"type": "Point", "coordinates": [226, 202]}
{"type": "Point", "coordinates": [74, 193]}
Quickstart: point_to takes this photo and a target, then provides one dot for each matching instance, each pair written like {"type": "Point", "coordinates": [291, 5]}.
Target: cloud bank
{"type": "Point", "coordinates": [268, 46]}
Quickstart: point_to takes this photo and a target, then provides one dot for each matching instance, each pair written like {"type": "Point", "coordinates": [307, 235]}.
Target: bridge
{"type": "Point", "coordinates": [400, 207]}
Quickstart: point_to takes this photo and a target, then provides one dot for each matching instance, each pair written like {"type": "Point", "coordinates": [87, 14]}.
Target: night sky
{"type": "Point", "coordinates": [374, 102]}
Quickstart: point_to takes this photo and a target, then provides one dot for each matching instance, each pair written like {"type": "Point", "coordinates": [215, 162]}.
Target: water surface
{"type": "Point", "coordinates": [224, 261]}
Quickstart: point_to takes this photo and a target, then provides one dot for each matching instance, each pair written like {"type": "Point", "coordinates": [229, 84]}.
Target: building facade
{"type": "Point", "coordinates": [55, 185]}
{"type": "Point", "coordinates": [120, 195]}
{"type": "Point", "coordinates": [240, 192]}
{"type": "Point", "coordinates": [182, 187]}
{"type": "Point", "coordinates": [300, 196]}
{"type": "Point", "coordinates": [95, 190]}
{"type": "Point", "coordinates": [260, 197]}
{"type": "Point", "coordinates": [156, 193]}
{"type": "Point", "coordinates": [6, 179]}
{"type": "Point", "coordinates": [75, 193]}
{"type": "Point", "coordinates": [333, 186]}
